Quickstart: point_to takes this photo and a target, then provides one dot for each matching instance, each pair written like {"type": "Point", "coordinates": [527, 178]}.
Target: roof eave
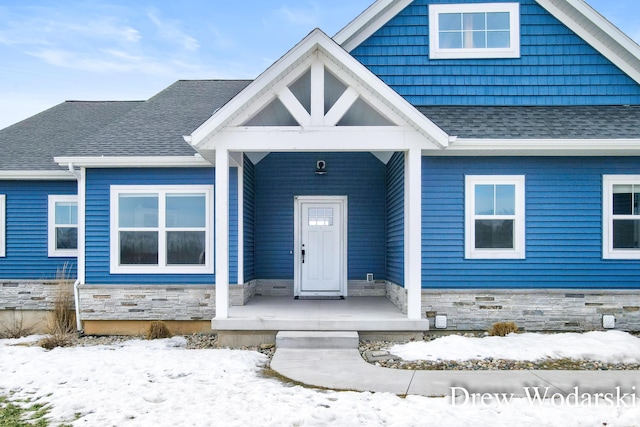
{"type": "Point", "coordinates": [134, 161]}
{"type": "Point", "coordinates": [36, 175]}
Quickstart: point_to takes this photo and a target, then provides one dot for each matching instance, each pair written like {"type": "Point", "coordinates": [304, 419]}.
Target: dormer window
{"type": "Point", "coordinates": [481, 30]}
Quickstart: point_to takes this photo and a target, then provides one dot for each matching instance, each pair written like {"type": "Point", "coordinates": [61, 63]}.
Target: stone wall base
{"type": "Point", "coordinates": [284, 288]}
{"type": "Point", "coordinates": [533, 309]}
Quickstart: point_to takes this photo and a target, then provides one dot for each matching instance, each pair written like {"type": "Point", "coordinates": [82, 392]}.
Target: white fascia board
{"type": "Point", "coordinates": [37, 175]}
{"type": "Point", "coordinates": [368, 22]}
{"type": "Point", "coordinates": [547, 147]}
{"type": "Point", "coordinates": [131, 162]}
{"type": "Point", "coordinates": [607, 38]}
{"type": "Point", "coordinates": [365, 138]}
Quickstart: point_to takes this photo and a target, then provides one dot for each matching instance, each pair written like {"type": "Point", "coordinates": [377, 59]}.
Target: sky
{"type": "Point", "coordinates": [54, 51]}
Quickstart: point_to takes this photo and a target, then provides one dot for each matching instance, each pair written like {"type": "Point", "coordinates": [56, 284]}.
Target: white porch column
{"type": "Point", "coordinates": [413, 231]}
{"type": "Point", "coordinates": [222, 233]}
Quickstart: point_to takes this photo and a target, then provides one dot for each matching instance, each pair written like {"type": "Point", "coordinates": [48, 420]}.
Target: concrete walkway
{"type": "Point", "coordinates": [344, 369]}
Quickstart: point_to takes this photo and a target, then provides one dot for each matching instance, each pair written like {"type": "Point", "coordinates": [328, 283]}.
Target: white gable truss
{"type": "Point", "coordinates": [278, 113]}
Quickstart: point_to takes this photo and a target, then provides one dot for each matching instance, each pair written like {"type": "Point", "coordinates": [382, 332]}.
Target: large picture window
{"type": "Point", "coordinates": [161, 229]}
{"type": "Point", "coordinates": [481, 30]}
{"type": "Point", "coordinates": [621, 216]}
{"type": "Point", "coordinates": [494, 208]}
{"type": "Point", "coordinates": [3, 226]}
{"type": "Point", "coordinates": [63, 225]}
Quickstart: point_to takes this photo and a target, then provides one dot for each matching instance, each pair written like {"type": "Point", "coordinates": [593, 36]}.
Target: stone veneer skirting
{"type": "Point", "coordinates": [476, 309]}
{"type": "Point", "coordinates": [156, 302]}
{"type": "Point", "coordinates": [29, 295]}
{"type": "Point", "coordinates": [533, 309]}
{"type": "Point", "coordinates": [355, 288]}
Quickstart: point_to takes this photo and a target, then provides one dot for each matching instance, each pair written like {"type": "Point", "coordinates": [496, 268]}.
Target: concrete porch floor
{"type": "Point", "coordinates": [361, 314]}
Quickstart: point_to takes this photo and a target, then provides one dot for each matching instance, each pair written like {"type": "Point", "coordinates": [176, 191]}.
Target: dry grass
{"type": "Point", "coordinates": [62, 320]}
{"type": "Point", "coordinates": [502, 329]}
{"type": "Point", "coordinates": [16, 328]}
{"type": "Point", "coordinates": [158, 330]}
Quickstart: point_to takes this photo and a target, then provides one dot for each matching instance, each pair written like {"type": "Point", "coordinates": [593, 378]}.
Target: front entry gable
{"type": "Point", "coordinates": [315, 93]}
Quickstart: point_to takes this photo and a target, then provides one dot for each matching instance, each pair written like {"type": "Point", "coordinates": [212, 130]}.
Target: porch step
{"type": "Point", "coordinates": [317, 339]}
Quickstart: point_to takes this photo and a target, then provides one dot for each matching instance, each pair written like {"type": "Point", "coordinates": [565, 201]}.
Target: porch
{"type": "Point", "coordinates": [362, 314]}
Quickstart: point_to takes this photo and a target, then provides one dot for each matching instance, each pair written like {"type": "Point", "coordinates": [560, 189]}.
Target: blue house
{"type": "Point", "coordinates": [460, 161]}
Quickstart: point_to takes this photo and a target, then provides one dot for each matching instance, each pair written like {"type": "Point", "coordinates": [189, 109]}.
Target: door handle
{"type": "Point", "coordinates": [303, 256]}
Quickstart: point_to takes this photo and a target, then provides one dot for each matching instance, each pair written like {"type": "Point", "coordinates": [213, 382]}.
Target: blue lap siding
{"type": "Point", "coordinates": [249, 218]}
{"type": "Point", "coordinates": [556, 67]}
{"type": "Point", "coordinates": [281, 176]}
{"type": "Point", "coordinates": [97, 221]}
{"type": "Point", "coordinates": [395, 219]}
{"type": "Point", "coordinates": [26, 230]}
{"type": "Point", "coordinates": [563, 198]}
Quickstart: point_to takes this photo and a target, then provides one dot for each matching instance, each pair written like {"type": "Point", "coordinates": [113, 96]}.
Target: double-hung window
{"type": "Point", "coordinates": [478, 30]}
{"type": "Point", "coordinates": [494, 217]}
{"type": "Point", "coordinates": [63, 225]}
{"type": "Point", "coordinates": [3, 225]}
{"type": "Point", "coordinates": [161, 230]}
{"type": "Point", "coordinates": [621, 216]}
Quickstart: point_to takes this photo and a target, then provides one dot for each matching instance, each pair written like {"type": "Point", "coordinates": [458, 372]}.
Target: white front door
{"type": "Point", "coordinates": [321, 246]}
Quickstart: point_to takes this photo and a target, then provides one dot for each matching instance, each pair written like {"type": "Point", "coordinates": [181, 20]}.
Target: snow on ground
{"type": "Point", "coordinates": [610, 347]}
{"type": "Point", "coordinates": [161, 383]}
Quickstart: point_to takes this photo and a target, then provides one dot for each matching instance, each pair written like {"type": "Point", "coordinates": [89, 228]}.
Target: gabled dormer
{"type": "Point", "coordinates": [506, 52]}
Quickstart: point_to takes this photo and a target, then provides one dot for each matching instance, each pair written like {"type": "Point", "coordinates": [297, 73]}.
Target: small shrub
{"type": "Point", "coordinates": [158, 330]}
{"type": "Point", "coordinates": [57, 340]}
{"type": "Point", "coordinates": [16, 328]}
{"type": "Point", "coordinates": [502, 329]}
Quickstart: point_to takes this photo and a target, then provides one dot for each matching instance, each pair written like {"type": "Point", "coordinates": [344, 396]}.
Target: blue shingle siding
{"type": "Point", "coordinates": [249, 214]}
{"type": "Point", "coordinates": [395, 219]}
{"type": "Point", "coordinates": [556, 66]}
{"type": "Point", "coordinates": [97, 221]}
{"type": "Point", "coordinates": [281, 176]}
{"type": "Point", "coordinates": [563, 198]}
{"type": "Point", "coordinates": [26, 230]}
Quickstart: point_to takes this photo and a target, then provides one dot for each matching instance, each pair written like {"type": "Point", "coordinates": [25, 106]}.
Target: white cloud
{"type": "Point", "coordinates": [105, 61]}
{"type": "Point", "coordinates": [309, 17]}
{"type": "Point", "coordinates": [169, 29]}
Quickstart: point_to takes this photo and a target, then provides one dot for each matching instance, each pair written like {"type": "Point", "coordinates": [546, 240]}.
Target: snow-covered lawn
{"type": "Point", "coordinates": [609, 347]}
{"type": "Point", "coordinates": [161, 383]}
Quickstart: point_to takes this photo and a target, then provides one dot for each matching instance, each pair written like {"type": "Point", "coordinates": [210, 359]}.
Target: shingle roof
{"type": "Point", "coordinates": [32, 143]}
{"type": "Point", "coordinates": [157, 127]}
{"type": "Point", "coordinates": [570, 122]}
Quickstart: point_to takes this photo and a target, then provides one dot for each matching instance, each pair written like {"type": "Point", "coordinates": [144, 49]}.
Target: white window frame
{"type": "Point", "coordinates": [52, 249]}
{"type": "Point", "coordinates": [518, 250]}
{"type": "Point", "coordinates": [608, 252]}
{"type": "Point", "coordinates": [435, 52]}
{"type": "Point", "coordinates": [161, 268]}
{"type": "Point", "coordinates": [3, 225]}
